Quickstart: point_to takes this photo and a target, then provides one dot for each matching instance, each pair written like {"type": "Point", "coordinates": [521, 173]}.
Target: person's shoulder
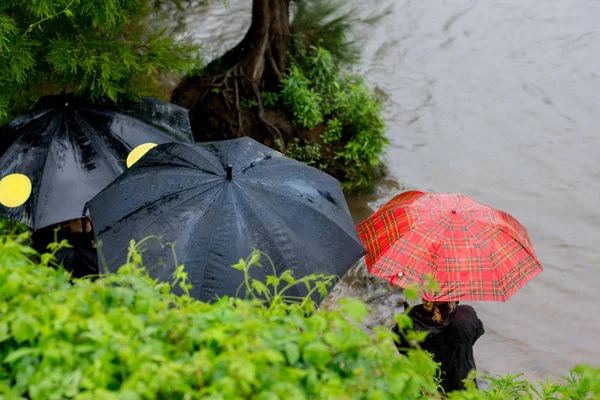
{"type": "Point", "coordinates": [465, 312]}
{"type": "Point", "coordinates": [465, 308]}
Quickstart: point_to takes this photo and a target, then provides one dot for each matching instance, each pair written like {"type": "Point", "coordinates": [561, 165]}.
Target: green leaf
{"type": "Point", "coordinates": [404, 321]}
{"type": "Point", "coordinates": [260, 288]}
{"type": "Point", "coordinates": [334, 340]}
{"type": "Point", "coordinates": [273, 281]}
{"type": "Point", "coordinates": [411, 293]}
{"type": "Point", "coordinates": [24, 328]}
{"type": "Point", "coordinates": [292, 353]}
{"type": "Point", "coordinates": [317, 354]}
{"type": "Point", "coordinates": [354, 309]}
{"type": "Point", "coordinates": [240, 266]}
{"type": "Point", "coordinates": [288, 276]}
{"type": "Point", "coordinates": [22, 352]}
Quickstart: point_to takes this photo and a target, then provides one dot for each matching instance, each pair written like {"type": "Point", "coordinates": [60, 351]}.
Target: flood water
{"type": "Point", "coordinates": [500, 100]}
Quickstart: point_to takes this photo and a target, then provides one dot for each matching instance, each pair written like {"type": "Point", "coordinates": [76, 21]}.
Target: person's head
{"type": "Point", "coordinates": [439, 309]}
{"type": "Point", "coordinates": [76, 225]}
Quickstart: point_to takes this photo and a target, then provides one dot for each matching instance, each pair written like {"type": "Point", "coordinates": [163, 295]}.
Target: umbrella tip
{"type": "Point", "coordinates": [453, 211]}
{"type": "Point", "coordinates": [229, 172]}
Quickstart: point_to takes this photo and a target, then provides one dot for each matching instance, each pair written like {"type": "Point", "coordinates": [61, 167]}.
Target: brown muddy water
{"type": "Point", "coordinates": [500, 100]}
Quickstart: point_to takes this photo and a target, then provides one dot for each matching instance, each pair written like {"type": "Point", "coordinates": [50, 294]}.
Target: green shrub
{"type": "Point", "coordinates": [125, 336]}
{"type": "Point", "coordinates": [308, 153]}
{"type": "Point", "coordinates": [582, 384]}
{"type": "Point", "coordinates": [99, 49]}
{"type": "Point", "coordinates": [315, 90]}
{"type": "Point", "coordinates": [301, 99]}
{"type": "Point", "coordinates": [10, 227]}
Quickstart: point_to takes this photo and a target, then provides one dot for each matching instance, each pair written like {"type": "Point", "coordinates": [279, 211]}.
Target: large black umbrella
{"type": "Point", "coordinates": [216, 202]}
{"type": "Point", "coordinates": [62, 153]}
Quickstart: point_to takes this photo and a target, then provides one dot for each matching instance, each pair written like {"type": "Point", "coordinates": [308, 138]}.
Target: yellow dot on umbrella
{"type": "Point", "coordinates": [138, 153]}
{"type": "Point", "coordinates": [15, 190]}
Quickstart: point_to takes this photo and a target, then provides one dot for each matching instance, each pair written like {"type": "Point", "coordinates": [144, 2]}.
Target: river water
{"type": "Point", "coordinates": [500, 100]}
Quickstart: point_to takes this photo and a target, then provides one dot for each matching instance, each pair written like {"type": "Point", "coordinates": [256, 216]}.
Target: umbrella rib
{"type": "Point", "coordinates": [151, 173]}
{"type": "Point", "coordinates": [228, 152]}
{"type": "Point", "coordinates": [212, 236]}
{"type": "Point", "coordinates": [85, 128]}
{"type": "Point", "coordinates": [156, 201]}
{"type": "Point", "coordinates": [172, 133]}
{"type": "Point", "coordinates": [443, 248]}
{"type": "Point", "coordinates": [266, 228]}
{"type": "Point", "coordinates": [493, 265]}
{"type": "Point", "coordinates": [45, 169]}
{"type": "Point", "coordinates": [524, 277]}
{"type": "Point", "coordinates": [291, 164]}
{"type": "Point", "coordinates": [159, 217]}
{"type": "Point", "coordinates": [501, 228]}
{"type": "Point", "coordinates": [188, 164]}
{"type": "Point", "coordinates": [472, 238]}
{"type": "Point", "coordinates": [284, 194]}
{"type": "Point", "coordinates": [510, 234]}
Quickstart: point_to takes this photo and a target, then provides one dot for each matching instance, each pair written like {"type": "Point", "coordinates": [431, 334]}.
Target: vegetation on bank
{"type": "Point", "coordinates": [125, 336]}
{"type": "Point", "coordinates": [289, 86]}
{"type": "Point", "coordinates": [316, 94]}
{"type": "Point", "coordinates": [320, 93]}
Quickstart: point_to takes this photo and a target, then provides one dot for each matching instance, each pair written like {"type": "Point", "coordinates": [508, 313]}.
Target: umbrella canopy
{"type": "Point", "coordinates": [216, 202]}
{"type": "Point", "coordinates": [60, 155]}
{"type": "Point", "coordinates": [474, 252]}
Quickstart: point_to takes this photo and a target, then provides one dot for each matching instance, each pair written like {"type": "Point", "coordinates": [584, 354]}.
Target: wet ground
{"type": "Point", "coordinates": [500, 100]}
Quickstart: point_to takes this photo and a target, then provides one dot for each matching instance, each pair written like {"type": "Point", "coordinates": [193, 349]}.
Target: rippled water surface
{"type": "Point", "coordinates": [500, 100]}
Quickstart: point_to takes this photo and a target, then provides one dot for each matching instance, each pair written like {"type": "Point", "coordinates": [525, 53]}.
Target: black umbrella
{"type": "Point", "coordinates": [216, 202]}
{"type": "Point", "coordinates": [62, 153]}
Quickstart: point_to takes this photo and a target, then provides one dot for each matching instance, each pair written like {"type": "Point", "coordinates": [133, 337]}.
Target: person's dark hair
{"type": "Point", "coordinates": [440, 309]}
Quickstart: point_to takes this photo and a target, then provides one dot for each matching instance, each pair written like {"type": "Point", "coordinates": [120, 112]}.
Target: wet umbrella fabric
{"type": "Point", "coordinates": [62, 153]}
{"type": "Point", "coordinates": [214, 215]}
{"type": "Point", "coordinates": [473, 251]}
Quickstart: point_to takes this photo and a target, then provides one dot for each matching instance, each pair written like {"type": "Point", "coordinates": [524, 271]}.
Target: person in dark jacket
{"type": "Point", "coordinates": [81, 260]}
{"type": "Point", "coordinates": [453, 330]}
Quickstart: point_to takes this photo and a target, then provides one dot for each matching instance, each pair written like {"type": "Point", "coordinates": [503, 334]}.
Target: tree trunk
{"type": "Point", "coordinates": [256, 64]}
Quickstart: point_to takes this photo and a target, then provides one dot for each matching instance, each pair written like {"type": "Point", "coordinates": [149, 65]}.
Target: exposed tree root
{"type": "Point", "coordinates": [255, 64]}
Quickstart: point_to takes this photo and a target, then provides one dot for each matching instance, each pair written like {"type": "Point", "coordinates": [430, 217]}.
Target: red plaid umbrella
{"type": "Point", "coordinates": [474, 252]}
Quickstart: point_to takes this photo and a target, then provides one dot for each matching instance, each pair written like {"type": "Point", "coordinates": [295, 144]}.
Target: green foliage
{"type": "Point", "coordinates": [334, 131]}
{"type": "Point", "coordinates": [301, 99]}
{"type": "Point", "coordinates": [126, 336]}
{"type": "Point", "coordinates": [307, 153]}
{"type": "Point", "coordinates": [582, 384]}
{"type": "Point", "coordinates": [11, 228]}
{"type": "Point", "coordinates": [249, 103]}
{"type": "Point", "coordinates": [315, 90]}
{"type": "Point", "coordinates": [269, 100]}
{"type": "Point", "coordinates": [100, 49]}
